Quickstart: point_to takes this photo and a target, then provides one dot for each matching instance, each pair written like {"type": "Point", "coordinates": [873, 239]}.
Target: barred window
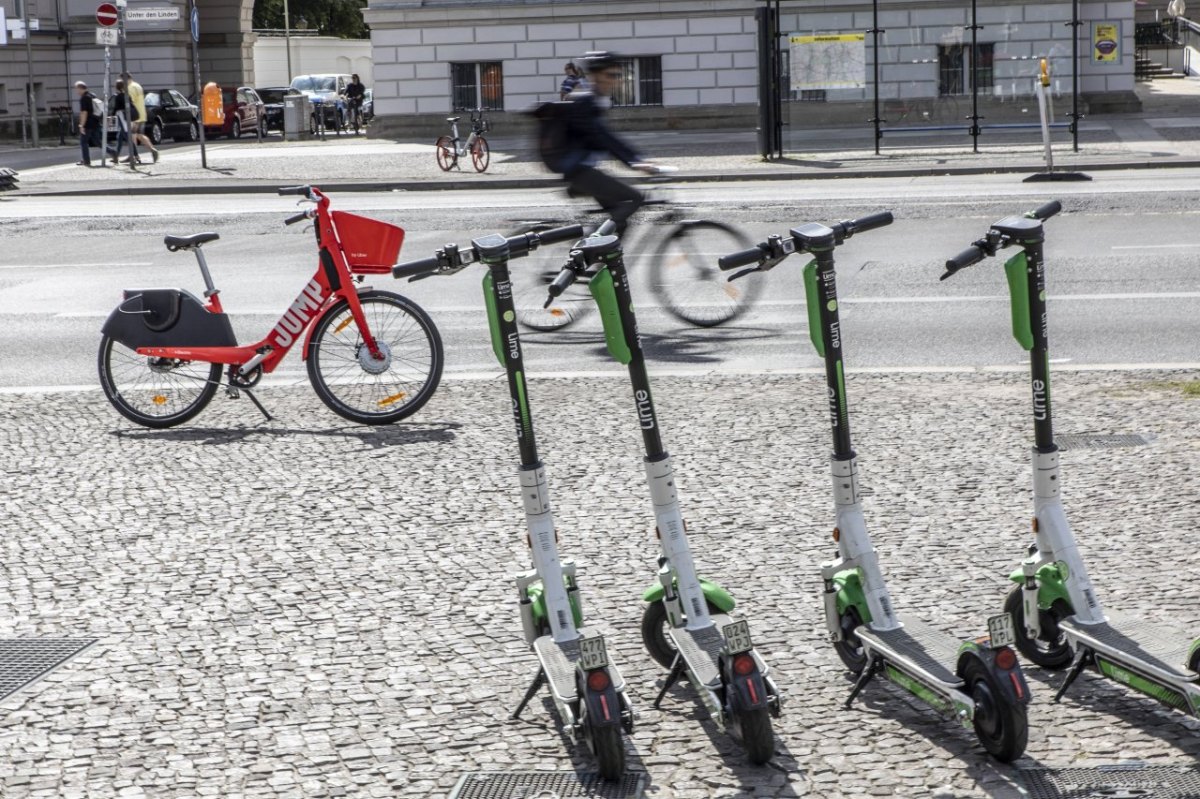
{"type": "Point", "coordinates": [641, 81]}
{"type": "Point", "coordinates": [477, 85]}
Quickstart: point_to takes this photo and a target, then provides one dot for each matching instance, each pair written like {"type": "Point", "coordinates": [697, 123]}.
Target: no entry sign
{"type": "Point", "coordinates": [106, 14]}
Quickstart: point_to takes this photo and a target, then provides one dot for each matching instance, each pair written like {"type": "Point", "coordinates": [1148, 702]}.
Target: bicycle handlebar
{"type": "Point", "coordinates": [301, 191]}
{"type": "Point", "coordinates": [300, 217]}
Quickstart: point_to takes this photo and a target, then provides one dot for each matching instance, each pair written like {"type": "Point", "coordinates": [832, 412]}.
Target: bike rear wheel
{"type": "Point", "coordinates": [361, 388]}
{"type": "Point", "coordinates": [687, 280]}
{"type": "Point", "coordinates": [445, 153]}
{"type": "Point", "coordinates": [531, 278]}
{"type": "Point", "coordinates": [481, 155]}
{"type": "Point", "coordinates": [155, 392]}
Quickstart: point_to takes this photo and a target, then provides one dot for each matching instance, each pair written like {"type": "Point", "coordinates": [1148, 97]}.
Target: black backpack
{"type": "Point", "coordinates": [553, 139]}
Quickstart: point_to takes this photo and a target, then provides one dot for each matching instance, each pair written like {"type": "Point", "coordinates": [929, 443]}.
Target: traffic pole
{"type": "Point", "coordinates": [194, 24]}
{"type": "Point", "coordinates": [32, 97]}
{"type": "Point", "coordinates": [104, 121]}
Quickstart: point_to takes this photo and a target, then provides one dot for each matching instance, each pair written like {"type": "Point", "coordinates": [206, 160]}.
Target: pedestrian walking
{"type": "Point", "coordinates": [572, 81]}
{"type": "Point", "coordinates": [137, 98]}
{"type": "Point", "coordinates": [91, 116]}
{"type": "Point", "coordinates": [117, 108]}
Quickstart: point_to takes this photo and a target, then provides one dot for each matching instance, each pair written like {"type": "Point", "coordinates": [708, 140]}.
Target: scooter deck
{"type": "Point", "coordinates": [918, 647]}
{"type": "Point", "coordinates": [559, 659]}
{"type": "Point", "coordinates": [701, 649]}
{"type": "Point", "coordinates": [1125, 638]}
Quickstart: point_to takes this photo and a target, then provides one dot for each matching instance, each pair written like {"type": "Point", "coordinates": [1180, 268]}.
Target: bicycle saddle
{"type": "Point", "coordinates": [453, 119]}
{"type": "Point", "coordinates": [188, 242]}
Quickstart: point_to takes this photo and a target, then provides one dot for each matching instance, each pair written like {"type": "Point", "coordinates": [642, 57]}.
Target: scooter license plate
{"type": "Point", "coordinates": [1001, 631]}
{"type": "Point", "coordinates": [737, 637]}
{"type": "Point", "coordinates": [592, 653]}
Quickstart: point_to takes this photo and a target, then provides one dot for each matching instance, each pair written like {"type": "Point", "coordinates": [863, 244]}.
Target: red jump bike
{"type": "Point", "coordinates": [373, 357]}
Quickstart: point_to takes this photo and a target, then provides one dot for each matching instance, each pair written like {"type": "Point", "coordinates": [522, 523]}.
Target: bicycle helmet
{"type": "Point", "coordinates": [598, 60]}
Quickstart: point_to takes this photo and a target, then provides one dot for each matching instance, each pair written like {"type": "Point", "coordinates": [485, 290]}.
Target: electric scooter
{"type": "Point", "coordinates": [1059, 619]}
{"type": "Point", "coordinates": [587, 689]}
{"type": "Point", "coordinates": [686, 626]}
{"type": "Point", "coordinates": [977, 681]}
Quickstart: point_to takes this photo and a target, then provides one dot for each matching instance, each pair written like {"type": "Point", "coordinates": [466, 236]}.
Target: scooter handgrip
{"type": "Point", "coordinates": [881, 219]}
{"type": "Point", "coordinates": [419, 267]}
{"type": "Point", "coordinates": [1048, 210]}
{"type": "Point", "coordinates": [755, 255]}
{"type": "Point", "coordinates": [298, 190]}
{"type": "Point", "coordinates": [561, 283]}
{"type": "Point", "coordinates": [608, 228]}
{"type": "Point", "coordinates": [300, 217]}
{"type": "Point", "coordinates": [568, 233]}
{"type": "Point", "coordinates": [969, 256]}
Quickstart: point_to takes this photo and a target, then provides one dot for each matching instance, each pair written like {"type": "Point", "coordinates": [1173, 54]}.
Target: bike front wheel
{"type": "Point", "coordinates": [481, 156]}
{"type": "Point", "coordinates": [689, 283]}
{"type": "Point", "coordinates": [155, 392]}
{"type": "Point", "coordinates": [445, 153]}
{"type": "Point", "coordinates": [361, 387]}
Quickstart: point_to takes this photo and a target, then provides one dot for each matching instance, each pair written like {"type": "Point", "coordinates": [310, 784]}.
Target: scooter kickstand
{"type": "Point", "coordinates": [258, 404]}
{"type": "Point", "coordinates": [865, 677]}
{"type": "Point", "coordinates": [672, 677]}
{"type": "Point", "coordinates": [539, 680]}
{"type": "Point", "coordinates": [1081, 659]}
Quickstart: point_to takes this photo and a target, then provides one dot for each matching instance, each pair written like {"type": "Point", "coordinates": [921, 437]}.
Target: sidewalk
{"type": "Point", "coordinates": [304, 608]}
{"type": "Point", "coordinates": [1165, 134]}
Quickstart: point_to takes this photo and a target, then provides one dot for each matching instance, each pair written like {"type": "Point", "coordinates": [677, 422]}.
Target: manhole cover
{"type": "Point", "coordinates": [25, 660]}
{"type": "Point", "coordinates": [1124, 781]}
{"type": "Point", "coordinates": [1100, 440]}
{"type": "Point", "coordinates": [546, 785]}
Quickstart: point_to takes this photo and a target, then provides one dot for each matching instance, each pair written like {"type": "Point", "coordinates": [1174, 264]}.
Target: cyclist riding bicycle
{"type": "Point", "coordinates": [588, 139]}
{"type": "Point", "coordinates": [354, 95]}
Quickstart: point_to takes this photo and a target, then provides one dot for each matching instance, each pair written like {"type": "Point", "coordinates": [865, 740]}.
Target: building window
{"type": "Point", "coordinates": [3, 99]}
{"type": "Point", "coordinates": [477, 85]}
{"type": "Point", "coordinates": [954, 68]}
{"type": "Point", "coordinates": [641, 81]}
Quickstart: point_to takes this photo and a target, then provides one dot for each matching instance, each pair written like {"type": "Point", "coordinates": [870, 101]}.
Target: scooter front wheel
{"type": "Point", "coordinates": [850, 649]}
{"type": "Point", "coordinates": [1001, 726]}
{"type": "Point", "coordinates": [654, 633]}
{"type": "Point", "coordinates": [1051, 652]}
{"type": "Point", "coordinates": [758, 737]}
{"type": "Point", "coordinates": [609, 751]}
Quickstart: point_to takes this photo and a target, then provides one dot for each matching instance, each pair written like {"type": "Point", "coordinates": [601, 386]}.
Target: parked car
{"type": "Point", "coordinates": [273, 105]}
{"type": "Point", "coordinates": [244, 113]}
{"type": "Point", "coordinates": [329, 92]}
{"type": "Point", "coordinates": [168, 113]}
{"type": "Point", "coordinates": [368, 106]}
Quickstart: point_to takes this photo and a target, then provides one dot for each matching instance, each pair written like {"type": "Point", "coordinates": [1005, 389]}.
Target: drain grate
{"type": "Point", "coordinates": [26, 660]}
{"type": "Point", "coordinates": [1100, 440]}
{"type": "Point", "coordinates": [1124, 781]}
{"type": "Point", "coordinates": [547, 785]}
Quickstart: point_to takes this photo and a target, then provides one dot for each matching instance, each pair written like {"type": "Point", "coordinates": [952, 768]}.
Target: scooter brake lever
{"type": "Point", "coordinates": [743, 273]}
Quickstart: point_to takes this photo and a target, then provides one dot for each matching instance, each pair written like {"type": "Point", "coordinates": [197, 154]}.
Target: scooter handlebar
{"type": "Point", "coordinates": [862, 225]}
{"type": "Point", "coordinates": [561, 283]}
{"type": "Point", "coordinates": [744, 258]}
{"type": "Point", "coordinates": [968, 257]}
{"type": "Point", "coordinates": [1048, 210]}
{"type": "Point", "coordinates": [568, 233]}
{"type": "Point", "coordinates": [422, 266]}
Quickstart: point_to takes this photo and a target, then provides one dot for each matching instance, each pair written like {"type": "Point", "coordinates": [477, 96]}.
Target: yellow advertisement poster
{"type": "Point", "coordinates": [1106, 42]}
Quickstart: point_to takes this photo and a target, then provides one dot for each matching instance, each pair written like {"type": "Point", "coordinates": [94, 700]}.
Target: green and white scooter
{"type": "Point", "coordinates": [978, 681]}
{"type": "Point", "coordinates": [1059, 619]}
{"type": "Point", "coordinates": [587, 688]}
{"type": "Point", "coordinates": [686, 626]}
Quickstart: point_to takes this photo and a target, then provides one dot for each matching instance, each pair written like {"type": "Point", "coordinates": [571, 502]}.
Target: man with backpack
{"type": "Point", "coordinates": [574, 137]}
{"type": "Point", "coordinates": [91, 117]}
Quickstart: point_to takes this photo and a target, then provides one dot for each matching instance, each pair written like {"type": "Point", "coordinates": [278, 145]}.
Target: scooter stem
{"type": "Point", "coordinates": [540, 522]}
{"type": "Point", "coordinates": [660, 476]}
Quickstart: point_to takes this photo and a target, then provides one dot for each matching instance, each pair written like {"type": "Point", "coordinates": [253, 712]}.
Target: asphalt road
{"type": "Point", "coordinates": [1123, 261]}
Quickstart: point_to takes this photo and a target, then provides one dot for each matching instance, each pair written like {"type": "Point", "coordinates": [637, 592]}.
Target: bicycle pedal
{"type": "Point", "coordinates": [232, 393]}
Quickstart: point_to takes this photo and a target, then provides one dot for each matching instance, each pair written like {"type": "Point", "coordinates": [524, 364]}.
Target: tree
{"type": "Point", "coordinates": [342, 18]}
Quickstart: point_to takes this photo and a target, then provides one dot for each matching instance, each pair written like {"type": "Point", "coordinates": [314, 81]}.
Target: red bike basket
{"type": "Point", "coordinates": [371, 247]}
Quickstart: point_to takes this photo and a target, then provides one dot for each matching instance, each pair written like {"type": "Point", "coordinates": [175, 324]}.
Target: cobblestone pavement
{"type": "Point", "coordinates": [306, 609]}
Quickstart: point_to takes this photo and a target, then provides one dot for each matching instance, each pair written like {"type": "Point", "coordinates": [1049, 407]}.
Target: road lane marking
{"type": "Point", "coordinates": [1155, 246]}
{"type": "Point", "coordinates": [68, 266]}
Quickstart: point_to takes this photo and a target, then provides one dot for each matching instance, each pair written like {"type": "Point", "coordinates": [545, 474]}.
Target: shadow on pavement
{"type": "Point", "coordinates": [397, 434]}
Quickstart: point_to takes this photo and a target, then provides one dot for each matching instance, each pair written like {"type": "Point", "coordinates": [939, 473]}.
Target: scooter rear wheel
{"type": "Point", "coordinates": [1001, 726]}
{"type": "Point", "coordinates": [654, 633]}
{"type": "Point", "coordinates": [850, 649]}
{"type": "Point", "coordinates": [609, 751]}
{"type": "Point", "coordinates": [758, 737]}
{"type": "Point", "coordinates": [1049, 653]}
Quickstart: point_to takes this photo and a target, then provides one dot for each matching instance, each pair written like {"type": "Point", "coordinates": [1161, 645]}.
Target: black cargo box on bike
{"type": "Point", "coordinates": [167, 318]}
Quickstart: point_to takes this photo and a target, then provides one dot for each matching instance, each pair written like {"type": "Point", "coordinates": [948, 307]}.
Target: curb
{"type": "Point", "coordinates": [259, 186]}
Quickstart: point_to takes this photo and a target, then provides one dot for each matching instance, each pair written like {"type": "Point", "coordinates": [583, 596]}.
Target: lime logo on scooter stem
{"type": "Point", "coordinates": [298, 316]}
{"type": "Point", "coordinates": [514, 345]}
{"type": "Point", "coordinates": [1039, 400]}
{"type": "Point", "coordinates": [645, 411]}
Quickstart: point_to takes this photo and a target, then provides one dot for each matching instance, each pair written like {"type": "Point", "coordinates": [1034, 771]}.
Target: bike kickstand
{"type": "Point", "coordinates": [1081, 659]}
{"type": "Point", "coordinates": [865, 677]}
{"type": "Point", "coordinates": [672, 677]}
{"type": "Point", "coordinates": [539, 679]}
{"type": "Point", "coordinates": [258, 404]}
